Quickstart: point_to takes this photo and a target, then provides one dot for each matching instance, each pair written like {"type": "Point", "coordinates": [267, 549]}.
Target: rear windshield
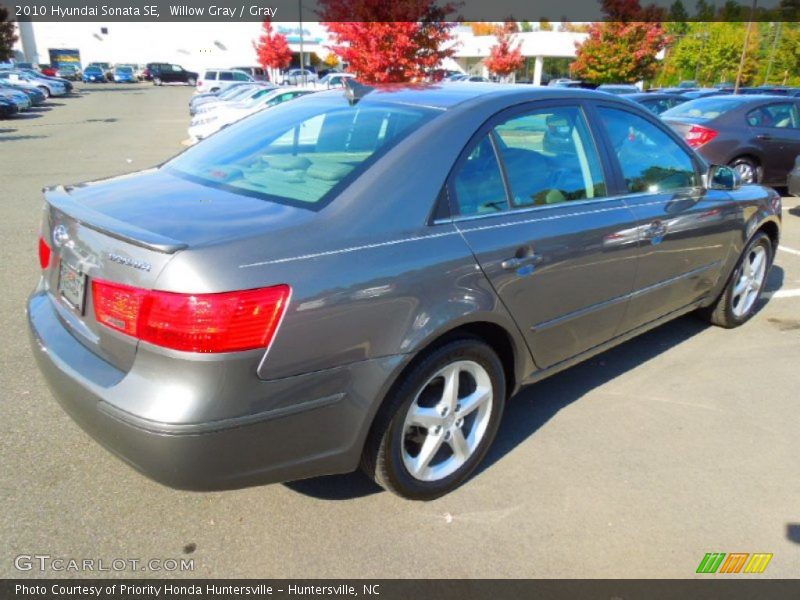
{"type": "Point", "coordinates": [703, 108]}
{"type": "Point", "coordinates": [301, 152]}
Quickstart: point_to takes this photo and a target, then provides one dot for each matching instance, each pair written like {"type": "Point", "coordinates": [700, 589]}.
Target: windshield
{"type": "Point", "coordinates": [124, 70]}
{"type": "Point", "coordinates": [235, 91]}
{"type": "Point", "coordinates": [703, 109]}
{"type": "Point", "coordinates": [301, 152]}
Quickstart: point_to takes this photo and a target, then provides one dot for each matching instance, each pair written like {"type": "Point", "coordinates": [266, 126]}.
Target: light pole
{"type": "Point", "coordinates": [744, 48]}
{"type": "Point", "coordinates": [302, 65]}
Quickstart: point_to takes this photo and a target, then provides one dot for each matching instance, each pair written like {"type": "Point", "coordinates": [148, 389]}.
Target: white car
{"type": "Point", "coordinates": [241, 93]}
{"type": "Point", "coordinates": [334, 80]}
{"type": "Point", "coordinates": [207, 122]}
{"type": "Point", "coordinates": [213, 80]}
{"type": "Point", "coordinates": [299, 77]}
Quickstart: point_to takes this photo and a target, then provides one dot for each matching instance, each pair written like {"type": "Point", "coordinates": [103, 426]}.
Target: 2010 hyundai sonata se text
{"type": "Point", "coordinates": [366, 278]}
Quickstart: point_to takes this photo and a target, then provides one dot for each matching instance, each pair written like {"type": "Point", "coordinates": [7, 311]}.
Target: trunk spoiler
{"type": "Point", "coordinates": [59, 198]}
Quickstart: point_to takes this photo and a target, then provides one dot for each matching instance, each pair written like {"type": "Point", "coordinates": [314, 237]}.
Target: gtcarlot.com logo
{"type": "Point", "coordinates": [735, 562]}
{"type": "Point", "coordinates": [45, 562]}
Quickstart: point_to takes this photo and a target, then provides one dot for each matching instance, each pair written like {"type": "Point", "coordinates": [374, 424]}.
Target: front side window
{"type": "Point", "coordinates": [299, 153]}
{"type": "Point", "coordinates": [650, 160]}
{"type": "Point", "coordinates": [225, 76]}
{"type": "Point", "coordinates": [239, 76]}
{"type": "Point", "coordinates": [177, 68]}
{"type": "Point", "coordinates": [550, 157]}
{"type": "Point", "coordinates": [781, 115]}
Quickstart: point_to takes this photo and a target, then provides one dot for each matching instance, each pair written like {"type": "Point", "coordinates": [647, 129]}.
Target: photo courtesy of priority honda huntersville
{"type": "Point", "coordinates": [366, 278]}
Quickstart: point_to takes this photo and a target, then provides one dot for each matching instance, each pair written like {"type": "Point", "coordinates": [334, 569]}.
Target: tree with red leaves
{"type": "Point", "coordinates": [505, 57]}
{"type": "Point", "coordinates": [272, 49]}
{"type": "Point", "coordinates": [389, 42]}
{"type": "Point", "coordinates": [623, 48]}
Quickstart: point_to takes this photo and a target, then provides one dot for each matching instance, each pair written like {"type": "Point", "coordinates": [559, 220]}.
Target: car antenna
{"type": "Point", "coordinates": [355, 91]}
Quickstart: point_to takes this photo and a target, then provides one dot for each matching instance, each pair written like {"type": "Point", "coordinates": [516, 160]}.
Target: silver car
{"type": "Point", "coordinates": [366, 278]}
{"type": "Point", "coordinates": [49, 87]}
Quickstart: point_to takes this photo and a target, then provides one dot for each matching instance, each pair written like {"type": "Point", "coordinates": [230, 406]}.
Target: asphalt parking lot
{"type": "Point", "coordinates": [682, 442]}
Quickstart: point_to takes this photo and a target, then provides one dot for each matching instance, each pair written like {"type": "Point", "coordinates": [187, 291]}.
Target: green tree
{"type": "Point", "coordinates": [677, 19]}
{"type": "Point", "coordinates": [8, 35]}
{"type": "Point", "coordinates": [622, 49]}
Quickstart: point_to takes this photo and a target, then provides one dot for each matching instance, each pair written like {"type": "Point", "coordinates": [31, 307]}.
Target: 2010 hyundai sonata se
{"type": "Point", "coordinates": [368, 277]}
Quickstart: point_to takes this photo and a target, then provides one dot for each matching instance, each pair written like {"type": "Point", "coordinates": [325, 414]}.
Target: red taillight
{"type": "Point", "coordinates": [699, 135]}
{"type": "Point", "coordinates": [44, 253]}
{"type": "Point", "coordinates": [226, 322]}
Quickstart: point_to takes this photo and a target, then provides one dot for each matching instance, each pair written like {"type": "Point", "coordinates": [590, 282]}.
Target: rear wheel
{"type": "Point", "coordinates": [737, 303]}
{"type": "Point", "coordinates": [156, 81]}
{"type": "Point", "coordinates": [748, 170]}
{"type": "Point", "coordinates": [45, 91]}
{"type": "Point", "coordinates": [191, 81]}
{"type": "Point", "coordinates": [439, 421]}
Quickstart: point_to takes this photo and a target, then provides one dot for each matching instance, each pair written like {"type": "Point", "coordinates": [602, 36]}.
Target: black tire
{"type": "Point", "coordinates": [382, 458]}
{"type": "Point", "coordinates": [722, 312]}
{"type": "Point", "coordinates": [744, 164]}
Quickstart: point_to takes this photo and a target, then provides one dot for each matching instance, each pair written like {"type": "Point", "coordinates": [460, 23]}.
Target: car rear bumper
{"type": "Point", "coordinates": [317, 427]}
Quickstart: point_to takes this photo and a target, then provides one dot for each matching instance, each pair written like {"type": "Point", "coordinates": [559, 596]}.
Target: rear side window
{"type": "Point", "coordinates": [479, 184]}
{"type": "Point", "coordinates": [704, 108]}
{"type": "Point", "coordinates": [211, 75]}
{"type": "Point", "coordinates": [781, 115]}
{"type": "Point", "coordinates": [650, 160]}
{"type": "Point", "coordinates": [299, 153]}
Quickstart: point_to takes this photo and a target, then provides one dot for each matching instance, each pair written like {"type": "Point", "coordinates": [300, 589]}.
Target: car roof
{"type": "Point", "coordinates": [652, 96]}
{"type": "Point", "coordinates": [452, 94]}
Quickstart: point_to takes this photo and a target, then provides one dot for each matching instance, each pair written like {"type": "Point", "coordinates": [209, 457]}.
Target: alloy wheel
{"type": "Point", "coordinates": [747, 172]}
{"type": "Point", "coordinates": [749, 280]}
{"type": "Point", "coordinates": [447, 421]}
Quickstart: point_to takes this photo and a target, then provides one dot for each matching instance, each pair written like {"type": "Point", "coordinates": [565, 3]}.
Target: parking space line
{"type": "Point", "coordinates": [789, 250]}
{"type": "Point", "coordinates": [783, 294]}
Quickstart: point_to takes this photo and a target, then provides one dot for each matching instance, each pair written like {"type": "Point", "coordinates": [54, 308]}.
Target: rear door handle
{"type": "Point", "coordinates": [512, 264]}
{"type": "Point", "coordinates": [764, 136]}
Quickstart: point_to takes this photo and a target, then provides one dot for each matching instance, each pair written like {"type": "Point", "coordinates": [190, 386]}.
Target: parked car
{"type": "Point", "coordinates": [20, 99]}
{"type": "Point", "coordinates": [8, 108]}
{"type": "Point", "coordinates": [793, 180]}
{"type": "Point", "coordinates": [218, 79]}
{"type": "Point", "coordinates": [35, 95]}
{"type": "Point", "coordinates": [124, 74]}
{"type": "Point", "coordinates": [284, 300]}
{"type": "Point", "coordinates": [169, 73]}
{"type": "Point", "coordinates": [299, 77]}
{"type": "Point", "coordinates": [255, 73]}
{"type": "Point", "coordinates": [36, 74]}
{"type": "Point", "coordinates": [690, 84]}
{"type": "Point", "coordinates": [704, 93]}
{"type": "Point", "coordinates": [108, 71]}
{"type": "Point", "coordinates": [70, 72]}
{"type": "Point", "coordinates": [48, 70]}
{"type": "Point", "coordinates": [234, 93]}
{"type": "Point", "coordinates": [657, 103]}
{"type": "Point", "coordinates": [48, 86]}
{"type": "Point", "coordinates": [210, 120]}
{"type": "Point", "coordinates": [334, 80]}
{"type": "Point", "coordinates": [93, 74]}
{"type": "Point", "coordinates": [759, 136]}
{"type": "Point", "coordinates": [618, 88]}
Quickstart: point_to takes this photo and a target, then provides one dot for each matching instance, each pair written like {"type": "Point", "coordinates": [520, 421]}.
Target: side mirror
{"type": "Point", "coordinates": [723, 178]}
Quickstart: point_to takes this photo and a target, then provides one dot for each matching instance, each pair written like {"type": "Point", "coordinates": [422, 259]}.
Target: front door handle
{"type": "Point", "coordinates": [512, 264]}
{"type": "Point", "coordinates": [764, 136]}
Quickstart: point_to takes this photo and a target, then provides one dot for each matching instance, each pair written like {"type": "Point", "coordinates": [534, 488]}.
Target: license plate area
{"type": "Point", "coordinates": [72, 286]}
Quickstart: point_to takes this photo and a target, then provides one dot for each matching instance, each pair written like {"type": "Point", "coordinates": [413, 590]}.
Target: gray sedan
{"type": "Point", "coordinates": [367, 278]}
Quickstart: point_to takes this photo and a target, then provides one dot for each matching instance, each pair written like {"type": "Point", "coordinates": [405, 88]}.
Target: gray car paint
{"type": "Point", "coordinates": [373, 285]}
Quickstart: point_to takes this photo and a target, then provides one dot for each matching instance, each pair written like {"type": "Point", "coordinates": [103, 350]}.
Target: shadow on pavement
{"type": "Point", "coordinates": [336, 487]}
{"type": "Point", "coordinates": [12, 138]}
{"type": "Point", "coordinates": [793, 532]}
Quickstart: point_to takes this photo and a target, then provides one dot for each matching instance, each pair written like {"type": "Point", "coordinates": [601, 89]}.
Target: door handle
{"type": "Point", "coordinates": [764, 136]}
{"type": "Point", "coordinates": [512, 264]}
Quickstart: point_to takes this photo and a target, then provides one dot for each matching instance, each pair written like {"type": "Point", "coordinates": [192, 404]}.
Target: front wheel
{"type": "Point", "coordinates": [156, 81]}
{"type": "Point", "coordinates": [192, 82]}
{"type": "Point", "coordinates": [438, 422]}
{"type": "Point", "coordinates": [737, 303]}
